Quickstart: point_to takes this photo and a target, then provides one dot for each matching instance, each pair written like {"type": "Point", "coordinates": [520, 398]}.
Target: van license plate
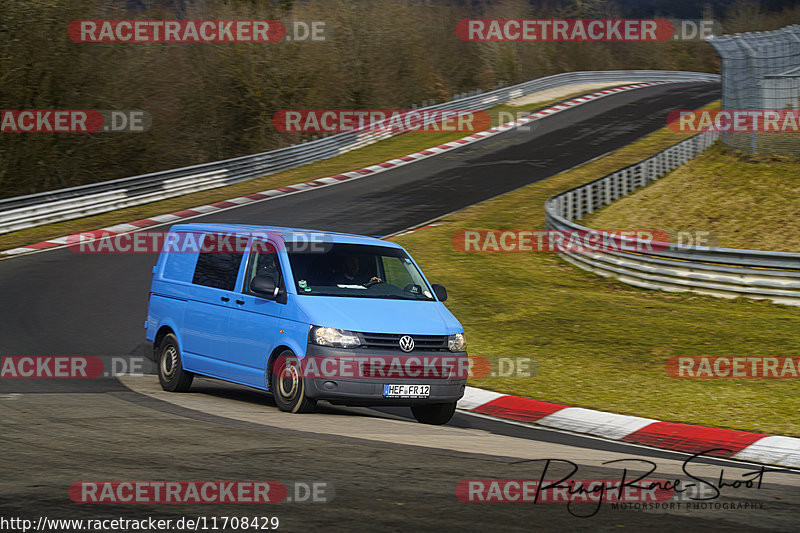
{"type": "Point", "coordinates": [406, 391]}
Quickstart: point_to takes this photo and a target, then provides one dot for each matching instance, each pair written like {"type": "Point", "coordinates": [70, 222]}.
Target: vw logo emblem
{"type": "Point", "coordinates": [406, 343]}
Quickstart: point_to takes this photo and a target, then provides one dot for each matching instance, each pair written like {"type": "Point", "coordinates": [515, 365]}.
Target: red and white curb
{"type": "Point", "coordinates": [138, 225]}
{"type": "Point", "coordinates": [742, 445]}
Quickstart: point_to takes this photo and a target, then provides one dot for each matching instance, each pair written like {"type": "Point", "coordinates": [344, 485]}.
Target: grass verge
{"type": "Point", "coordinates": [744, 202]}
{"type": "Point", "coordinates": [599, 343]}
{"type": "Point", "coordinates": [384, 150]}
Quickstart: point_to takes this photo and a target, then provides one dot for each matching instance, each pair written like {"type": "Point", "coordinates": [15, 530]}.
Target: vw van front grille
{"type": "Point", "coordinates": [392, 341]}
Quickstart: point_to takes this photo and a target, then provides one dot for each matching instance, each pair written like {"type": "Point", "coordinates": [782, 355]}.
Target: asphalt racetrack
{"type": "Point", "coordinates": [64, 303]}
{"type": "Point", "coordinates": [381, 471]}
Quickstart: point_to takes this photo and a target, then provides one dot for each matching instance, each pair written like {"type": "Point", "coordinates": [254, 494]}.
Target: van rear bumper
{"type": "Point", "coordinates": [358, 377]}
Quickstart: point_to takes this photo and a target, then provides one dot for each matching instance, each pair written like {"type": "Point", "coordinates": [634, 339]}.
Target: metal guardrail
{"type": "Point", "coordinates": [725, 272]}
{"type": "Point", "coordinates": [55, 206]}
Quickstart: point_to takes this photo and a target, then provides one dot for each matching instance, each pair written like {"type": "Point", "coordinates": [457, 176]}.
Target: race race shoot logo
{"type": "Point", "coordinates": [197, 31]}
{"type": "Point", "coordinates": [380, 120]}
{"type": "Point", "coordinates": [701, 367]}
{"type": "Point", "coordinates": [735, 120]}
{"type": "Point", "coordinates": [74, 121]}
{"type": "Point", "coordinates": [202, 492]}
{"type": "Point", "coordinates": [555, 241]}
{"type": "Point", "coordinates": [582, 30]}
{"type": "Point", "coordinates": [70, 367]}
{"type": "Point", "coordinates": [154, 242]}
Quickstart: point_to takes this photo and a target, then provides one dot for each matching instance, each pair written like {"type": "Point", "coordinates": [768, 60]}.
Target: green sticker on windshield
{"type": "Point", "coordinates": [307, 289]}
{"type": "Point", "coordinates": [302, 284]}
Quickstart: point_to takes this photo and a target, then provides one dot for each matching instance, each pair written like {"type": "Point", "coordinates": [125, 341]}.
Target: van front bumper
{"type": "Point", "coordinates": [358, 376]}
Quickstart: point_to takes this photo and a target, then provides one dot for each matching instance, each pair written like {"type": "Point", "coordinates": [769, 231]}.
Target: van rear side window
{"type": "Point", "coordinates": [215, 268]}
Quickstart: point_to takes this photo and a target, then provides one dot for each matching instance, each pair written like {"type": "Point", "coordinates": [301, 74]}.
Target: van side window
{"type": "Point", "coordinates": [263, 261]}
{"type": "Point", "coordinates": [216, 268]}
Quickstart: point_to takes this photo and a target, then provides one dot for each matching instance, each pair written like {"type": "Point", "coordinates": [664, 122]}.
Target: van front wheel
{"type": "Point", "coordinates": [434, 413]}
{"type": "Point", "coordinates": [171, 375]}
{"type": "Point", "coordinates": [288, 386]}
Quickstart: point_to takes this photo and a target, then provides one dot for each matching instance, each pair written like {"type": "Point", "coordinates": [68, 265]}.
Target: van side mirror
{"type": "Point", "coordinates": [440, 292]}
{"type": "Point", "coordinates": [264, 287]}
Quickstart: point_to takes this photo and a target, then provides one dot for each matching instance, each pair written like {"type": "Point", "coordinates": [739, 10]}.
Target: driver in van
{"type": "Point", "coordinates": [348, 272]}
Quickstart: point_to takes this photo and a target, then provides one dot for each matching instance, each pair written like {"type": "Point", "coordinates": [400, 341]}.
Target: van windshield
{"type": "Point", "coordinates": [358, 270]}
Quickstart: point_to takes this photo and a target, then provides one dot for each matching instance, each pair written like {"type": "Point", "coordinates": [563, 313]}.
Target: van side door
{"type": "Point", "coordinates": [205, 327]}
{"type": "Point", "coordinates": [255, 325]}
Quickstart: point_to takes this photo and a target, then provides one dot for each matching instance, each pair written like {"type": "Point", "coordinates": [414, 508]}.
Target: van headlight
{"type": "Point", "coordinates": [457, 342]}
{"type": "Point", "coordinates": [336, 338]}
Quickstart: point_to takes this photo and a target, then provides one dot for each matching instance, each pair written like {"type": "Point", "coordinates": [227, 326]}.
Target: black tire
{"type": "Point", "coordinates": [434, 413]}
{"type": "Point", "coordinates": [171, 375]}
{"type": "Point", "coordinates": [288, 386]}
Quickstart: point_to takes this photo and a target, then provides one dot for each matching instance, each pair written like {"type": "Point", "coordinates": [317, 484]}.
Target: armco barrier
{"type": "Point", "coordinates": [723, 272]}
{"type": "Point", "coordinates": [65, 204]}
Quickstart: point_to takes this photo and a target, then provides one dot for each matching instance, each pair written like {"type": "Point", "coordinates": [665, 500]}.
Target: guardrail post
{"type": "Point", "coordinates": [568, 215]}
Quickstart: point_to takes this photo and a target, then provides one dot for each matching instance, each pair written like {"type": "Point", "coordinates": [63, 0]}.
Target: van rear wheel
{"type": "Point", "coordinates": [288, 386]}
{"type": "Point", "coordinates": [171, 375]}
{"type": "Point", "coordinates": [434, 413]}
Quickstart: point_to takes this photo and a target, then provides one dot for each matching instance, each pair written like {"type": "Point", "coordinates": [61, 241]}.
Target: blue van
{"type": "Point", "coordinates": [306, 315]}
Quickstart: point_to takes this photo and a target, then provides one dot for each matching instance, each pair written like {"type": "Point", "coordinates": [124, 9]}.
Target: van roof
{"type": "Point", "coordinates": [286, 234]}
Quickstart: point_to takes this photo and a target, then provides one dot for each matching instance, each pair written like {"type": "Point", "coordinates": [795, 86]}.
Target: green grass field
{"type": "Point", "coordinates": [745, 202]}
{"type": "Point", "coordinates": [599, 343]}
